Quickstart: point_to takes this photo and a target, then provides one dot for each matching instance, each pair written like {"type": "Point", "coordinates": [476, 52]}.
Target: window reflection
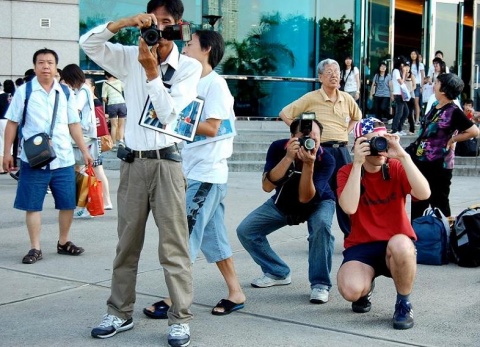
{"type": "Point", "coordinates": [264, 38]}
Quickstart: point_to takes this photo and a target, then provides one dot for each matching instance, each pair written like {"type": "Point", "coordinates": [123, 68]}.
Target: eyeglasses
{"type": "Point", "coordinates": [331, 73]}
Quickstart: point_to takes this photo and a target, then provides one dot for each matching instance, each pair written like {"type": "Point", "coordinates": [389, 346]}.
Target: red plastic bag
{"type": "Point", "coordinates": [95, 194]}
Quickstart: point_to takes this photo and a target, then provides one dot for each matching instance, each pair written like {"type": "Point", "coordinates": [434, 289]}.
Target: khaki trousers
{"type": "Point", "coordinates": [158, 186]}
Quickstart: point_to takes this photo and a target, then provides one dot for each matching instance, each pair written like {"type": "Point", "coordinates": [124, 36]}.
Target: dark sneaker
{"type": "Point", "coordinates": [364, 304]}
{"type": "Point", "coordinates": [403, 316]}
{"type": "Point", "coordinates": [179, 335]}
{"type": "Point", "coordinates": [111, 325]}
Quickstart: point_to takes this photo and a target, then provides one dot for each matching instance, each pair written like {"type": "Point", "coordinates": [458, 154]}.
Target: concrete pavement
{"type": "Point", "coordinates": [57, 301]}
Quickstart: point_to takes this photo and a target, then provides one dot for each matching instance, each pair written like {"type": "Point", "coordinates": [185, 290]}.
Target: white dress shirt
{"type": "Point", "coordinates": [122, 62]}
{"type": "Point", "coordinates": [39, 118]}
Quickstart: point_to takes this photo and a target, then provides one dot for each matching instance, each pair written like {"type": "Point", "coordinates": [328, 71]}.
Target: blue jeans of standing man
{"type": "Point", "coordinates": [253, 230]}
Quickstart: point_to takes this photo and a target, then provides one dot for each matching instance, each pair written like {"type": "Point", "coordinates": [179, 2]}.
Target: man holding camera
{"type": "Point", "coordinates": [299, 170]}
{"type": "Point", "coordinates": [373, 190]}
{"type": "Point", "coordinates": [338, 112]}
{"type": "Point", "coordinates": [151, 176]}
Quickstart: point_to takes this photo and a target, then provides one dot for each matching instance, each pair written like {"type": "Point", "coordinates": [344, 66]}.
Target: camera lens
{"type": "Point", "coordinates": [379, 143]}
{"type": "Point", "coordinates": [151, 36]}
{"type": "Point", "coordinates": [307, 143]}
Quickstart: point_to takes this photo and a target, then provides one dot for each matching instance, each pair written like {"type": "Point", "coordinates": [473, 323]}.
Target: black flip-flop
{"type": "Point", "coordinates": [228, 307]}
{"type": "Point", "coordinates": [160, 312]}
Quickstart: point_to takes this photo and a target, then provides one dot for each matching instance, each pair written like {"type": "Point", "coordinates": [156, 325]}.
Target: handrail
{"type": "Point", "coordinates": [241, 77]}
{"type": "Point", "coordinates": [270, 78]}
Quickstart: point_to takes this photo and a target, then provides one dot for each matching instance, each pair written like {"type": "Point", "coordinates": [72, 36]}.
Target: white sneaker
{"type": "Point", "coordinates": [82, 213]}
{"type": "Point", "coordinates": [402, 133]}
{"type": "Point", "coordinates": [319, 296]}
{"type": "Point", "coordinates": [179, 335]}
{"type": "Point", "coordinates": [265, 282]}
{"type": "Point", "coordinates": [111, 325]}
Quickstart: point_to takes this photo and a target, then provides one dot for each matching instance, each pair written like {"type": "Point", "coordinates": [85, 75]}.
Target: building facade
{"type": "Point", "coordinates": [273, 46]}
{"type": "Point", "coordinates": [27, 26]}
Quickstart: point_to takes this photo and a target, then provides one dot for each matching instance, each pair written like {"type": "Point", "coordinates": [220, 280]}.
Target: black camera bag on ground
{"type": "Point", "coordinates": [38, 148]}
{"type": "Point", "coordinates": [465, 238]}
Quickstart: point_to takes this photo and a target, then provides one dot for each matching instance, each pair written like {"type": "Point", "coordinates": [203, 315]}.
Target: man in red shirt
{"type": "Point", "coordinates": [373, 190]}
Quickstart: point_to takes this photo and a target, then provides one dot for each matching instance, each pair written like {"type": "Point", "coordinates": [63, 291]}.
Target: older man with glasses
{"type": "Point", "coordinates": [338, 112]}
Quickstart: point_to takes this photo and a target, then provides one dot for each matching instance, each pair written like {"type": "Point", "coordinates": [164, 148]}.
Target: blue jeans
{"type": "Point", "coordinates": [253, 230]}
{"type": "Point", "coordinates": [205, 215]}
{"type": "Point", "coordinates": [33, 183]}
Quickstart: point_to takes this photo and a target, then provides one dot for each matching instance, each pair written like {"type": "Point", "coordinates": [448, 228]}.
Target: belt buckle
{"type": "Point", "coordinates": [140, 155]}
{"type": "Point", "coordinates": [336, 145]}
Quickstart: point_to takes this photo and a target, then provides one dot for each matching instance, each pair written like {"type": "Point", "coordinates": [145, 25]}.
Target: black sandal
{"type": "Point", "coordinates": [32, 256]}
{"type": "Point", "coordinates": [69, 248]}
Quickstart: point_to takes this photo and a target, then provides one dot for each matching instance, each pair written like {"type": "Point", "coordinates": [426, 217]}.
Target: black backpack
{"type": "Point", "coordinates": [465, 238]}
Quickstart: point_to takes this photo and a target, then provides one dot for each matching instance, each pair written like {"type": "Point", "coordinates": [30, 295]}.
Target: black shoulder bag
{"type": "Point", "coordinates": [38, 148]}
{"type": "Point", "coordinates": [343, 80]}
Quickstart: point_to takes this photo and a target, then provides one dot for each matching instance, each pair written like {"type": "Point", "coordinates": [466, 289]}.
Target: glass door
{"type": "Point", "coordinates": [446, 19]}
{"type": "Point", "coordinates": [377, 41]}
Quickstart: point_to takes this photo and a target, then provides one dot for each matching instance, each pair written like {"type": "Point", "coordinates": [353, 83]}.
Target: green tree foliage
{"type": "Point", "coordinates": [256, 55]}
{"type": "Point", "coordinates": [336, 38]}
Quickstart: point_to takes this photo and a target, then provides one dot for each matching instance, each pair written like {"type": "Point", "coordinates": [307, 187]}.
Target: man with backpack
{"type": "Point", "coordinates": [34, 111]}
{"type": "Point", "coordinates": [372, 191]}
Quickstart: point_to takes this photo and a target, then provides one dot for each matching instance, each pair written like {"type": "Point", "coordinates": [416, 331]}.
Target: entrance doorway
{"type": "Point", "coordinates": [397, 27]}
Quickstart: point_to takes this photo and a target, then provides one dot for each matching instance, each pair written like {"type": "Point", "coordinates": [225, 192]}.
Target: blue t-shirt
{"type": "Point", "coordinates": [286, 195]}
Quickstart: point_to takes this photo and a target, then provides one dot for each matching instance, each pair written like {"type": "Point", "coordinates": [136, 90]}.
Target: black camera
{"type": "Point", "coordinates": [152, 34]}
{"type": "Point", "coordinates": [305, 126]}
{"type": "Point", "coordinates": [377, 144]}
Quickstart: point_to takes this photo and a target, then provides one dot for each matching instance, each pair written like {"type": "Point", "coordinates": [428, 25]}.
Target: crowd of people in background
{"type": "Point", "coordinates": [385, 99]}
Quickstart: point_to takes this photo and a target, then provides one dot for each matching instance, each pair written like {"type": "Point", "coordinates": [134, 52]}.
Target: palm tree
{"type": "Point", "coordinates": [254, 56]}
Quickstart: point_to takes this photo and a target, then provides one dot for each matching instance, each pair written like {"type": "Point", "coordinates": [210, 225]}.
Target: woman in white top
{"type": "Point", "coordinates": [350, 79]}
{"type": "Point", "coordinates": [74, 77]}
{"type": "Point", "coordinates": [439, 67]}
{"type": "Point", "coordinates": [418, 70]}
{"type": "Point", "coordinates": [401, 109]}
{"type": "Point", "coordinates": [411, 84]}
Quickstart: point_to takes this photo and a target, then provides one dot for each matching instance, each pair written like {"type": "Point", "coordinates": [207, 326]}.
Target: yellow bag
{"type": "Point", "coordinates": [82, 188]}
{"type": "Point", "coordinates": [107, 143]}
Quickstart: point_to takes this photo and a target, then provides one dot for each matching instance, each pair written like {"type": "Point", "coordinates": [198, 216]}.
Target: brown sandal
{"type": "Point", "coordinates": [69, 248]}
{"type": "Point", "coordinates": [32, 256]}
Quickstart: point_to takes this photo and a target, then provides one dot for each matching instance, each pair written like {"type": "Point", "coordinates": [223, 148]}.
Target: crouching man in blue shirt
{"type": "Point", "coordinates": [299, 170]}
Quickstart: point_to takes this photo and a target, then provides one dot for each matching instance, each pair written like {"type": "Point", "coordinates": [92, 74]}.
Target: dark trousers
{"type": "Point", "coordinates": [401, 113]}
{"type": "Point", "coordinates": [411, 115]}
{"type": "Point", "coordinates": [440, 180]}
{"type": "Point", "coordinates": [382, 107]}
{"type": "Point", "coordinates": [342, 157]}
